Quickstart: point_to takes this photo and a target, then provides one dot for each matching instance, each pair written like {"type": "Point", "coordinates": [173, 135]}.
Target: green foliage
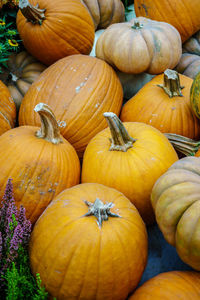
{"type": "Point", "coordinates": [9, 37]}
{"type": "Point", "coordinates": [20, 282]}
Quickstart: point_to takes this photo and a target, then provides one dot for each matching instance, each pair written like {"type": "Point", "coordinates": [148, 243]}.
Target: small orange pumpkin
{"type": "Point", "coordinates": [40, 162]}
{"type": "Point", "coordinates": [129, 157]}
{"type": "Point", "coordinates": [7, 109]}
{"type": "Point", "coordinates": [164, 103]}
{"type": "Point", "coordinates": [90, 243]}
{"type": "Point", "coordinates": [184, 285]}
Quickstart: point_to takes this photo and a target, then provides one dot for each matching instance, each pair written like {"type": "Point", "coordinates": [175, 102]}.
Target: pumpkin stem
{"type": "Point", "coordinates": [31, 13]}
{"type": "Point", "coordinates": [121, 140]}
{"type": "Point", "coordinates": [100, 210]}
{"type": "Point", "coordinates": [184, 145]}
{"type": "Point", "coordinates": [171, 85]}
{"type": "Point", "coordinates": [137, 25]}
{"type": "Point", "coordinates": [49, 127]}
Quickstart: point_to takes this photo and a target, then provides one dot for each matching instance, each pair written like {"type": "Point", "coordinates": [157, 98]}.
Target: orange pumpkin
{"type": "Point", "coordinates": [51, 30]}
{"type": "Point", "coordinates": [130, 161]}
{"type": "Point", "coordinates": [105, 12]}
{"type": "Point", "coordinates": [182, 14]}
{"type": "Point", "coordinates": [184, 285]}
{"type": "Point", "coordinates": [90, 243]}
{"type": "Point", "coordinates": [40, 162]}
{"type": "Point", "coordinates": [79, 89]}
{"type": "Point", "coordinates": [164, 103]}
{"type": "Point", "coordinates": [140, 45]}
{"type": "Point", "coordinates": [175, 200]}
{"type": "Point", "coordinates": [22, 69]}
{"type": "Point", "coordinates": [7, 109]}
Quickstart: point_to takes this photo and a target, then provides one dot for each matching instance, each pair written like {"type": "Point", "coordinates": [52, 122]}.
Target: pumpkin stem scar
{"type": "Point", "coordinates": [49, 127]}
{"type": "Point", "coordinates": [32, 13]}
{"type": "Point", "coordinates": [121, 140]}
{"type": "Point", "coordinates": [171, 85]}
{"type": "Point", "coordinates": [100, 210]}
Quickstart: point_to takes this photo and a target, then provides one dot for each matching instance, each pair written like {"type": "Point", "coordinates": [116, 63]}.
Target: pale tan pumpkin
{"type": "Point", "coordinates": [176, 202]}
{"type": "Point", "coordinates": [23, 69]}
{"type": "Point", "coordinates": [141, 45]}
{"type": "Point", "coordinates": [105, 12]}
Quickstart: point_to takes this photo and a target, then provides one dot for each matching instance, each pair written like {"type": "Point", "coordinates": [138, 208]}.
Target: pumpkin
{"type": "Point", "coordinates": [40, 162]}
{"type": "Point", "coordinates": [195, 95]}
{"type": "Point", "coordinates": [184, 285]}
{"type": "Point", "coordinates": [131, 83]}
{"type": "Point", "coordinates": [164, 103]}
{"type": "Point", "coordinates": [52, 30]}
{"type": "Point", "coordinates": [175, 200]}
{"type": "Point", "coordinates": [105, 13]}
{"type": "Point", "coordinates": [7, 109]}
{"type": "Point", "coordinates": [78, 88]}
{"type": "Point", "coordinates": [141, 45]}
{"type": "Point", "coordinates": [22, 70]}
{"type": "Point", "coordinates": [189, 65]}
{"type": "Point", "coordinates": [96, 240]}
{"type": "Point", "coordinates": [129, 157]}
{"type": "Point", "coordinates": [182, 14]}
{"type": "Point", "coordinates": [192, 45]}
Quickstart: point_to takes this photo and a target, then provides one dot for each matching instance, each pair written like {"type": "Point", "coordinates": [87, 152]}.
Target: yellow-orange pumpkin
{"type": "Point", "coordinates": [7, 109]}
{"type": "Point", "coordinates": [51, 30]}
{"type": "Point", "coordinates": [174, 285]}
{"type": "Point", "coordinates": [130, 158]}
{"type": "Point", "coordinates": [78, 258]}
{"type": "Point", "coordinates": [41, 163]}
{"type": "Point", "coordinates": [79, 89]}
{"type": "Point", "coordinates": [164, 103]}
{"type": "Point", "coordinates": [182, 14]}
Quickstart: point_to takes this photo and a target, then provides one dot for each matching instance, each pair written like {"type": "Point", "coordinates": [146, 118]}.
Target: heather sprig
{"type": "Point", "coordinates": [15, 231]}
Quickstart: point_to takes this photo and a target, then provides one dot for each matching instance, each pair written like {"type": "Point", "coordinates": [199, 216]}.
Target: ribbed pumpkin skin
{"type": "Point", "coordinates": [133, 172]}
{"type": "Point", "coordinates": [79, 89]}
{"type": "Point", "coordinates": [195, 95]}
{"type": "Point", "coordinates": [68, 29]}
{"type": "Point", "coordinates": [78, 260]}
{"type": "Point", "coordinates": [152, 48]}
{"type": "Point", "coordinates": [189, 65]}
{"type": "Point", "coordinates": [153, 106]}
{"type": "Point", "coordinates": [175, 199]}
{"type": "Point", "coordinates": [7, 109]}
{"type": "Point", "coordinates": [192, 45]}
{"type": "Point", "coordinates": [174, 285]}
{"type": "Point", "coordinates": [39, 169]}
{"type": "Point", "coordinates": [24, 69]}
{"type": "Point", "coordinates": [182, 14]}
{"type": "Point", "coordinates": [105, 12]}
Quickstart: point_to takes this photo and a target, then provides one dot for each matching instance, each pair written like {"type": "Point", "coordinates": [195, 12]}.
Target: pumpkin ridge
{"type": "Point", "coordinates": [190, 282]}
{"type": "Point", "coordinates": [51, 24]}
{"type": "Point", "coordinates": [5, 118]}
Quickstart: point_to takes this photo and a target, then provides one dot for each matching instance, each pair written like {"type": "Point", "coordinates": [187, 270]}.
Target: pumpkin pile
{"type": "Point", "coordinates": [104, 118]}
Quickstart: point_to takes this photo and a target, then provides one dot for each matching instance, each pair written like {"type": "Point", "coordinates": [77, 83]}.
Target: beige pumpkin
{"type": "Point", "coordinates": [141, 45]}
{"type": "Point", "coordinates": [105, 12]}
